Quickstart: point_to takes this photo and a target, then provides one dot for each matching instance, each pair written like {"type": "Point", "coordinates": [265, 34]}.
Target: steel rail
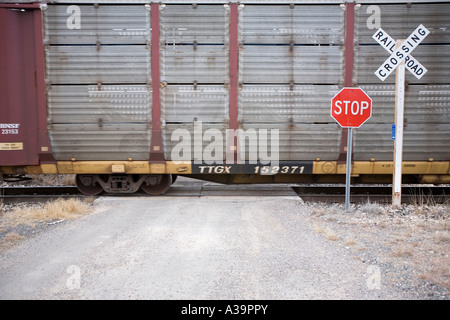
{"type": "Point", "coordinates": [309, 193]}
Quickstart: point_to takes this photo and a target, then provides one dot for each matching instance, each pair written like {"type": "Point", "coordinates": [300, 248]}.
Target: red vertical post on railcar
{"type": "Point", "coordinates": [233, 123]}
{"type": "Point", "coordinates": [348, 65]}
{"type": "Point", "coordinates": [156, 144]}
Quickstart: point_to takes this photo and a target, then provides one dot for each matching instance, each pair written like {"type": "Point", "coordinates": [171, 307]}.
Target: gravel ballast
{"type": "Point", "coordinates": [231, 248]}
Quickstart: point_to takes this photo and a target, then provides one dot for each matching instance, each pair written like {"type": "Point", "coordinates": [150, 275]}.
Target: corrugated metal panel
{"type": "Point", "coordinates": [428, 104]}
{"type": "Point", "coordinates": [423, 103]}
{"type": "Point", "coordinates": [420, 142]}
{"type": "Point", "coordinates": [272, 103]}
{"type": "Point", "coordinates": [189, 64]}
{"type": "Point", "coordinates": [424, 141]}
{"type": "Point", "coordinates": [224, 1]}
{"type": "Point", "coordinates": [105, 104]}
{"type": "Point", "coordinates": [400, 20]}
{"type": "Point", "coordinates": [189, 104]}
{"type": "Point", "coordinates": [436, 58]}
{"type": "Point", "coordinates": [105, 24]}
{"type": "Point", "coordinates": [304, 141]}
{"type": "Point", "coordinates": [111, 142]}
{"type": "Point", "coordinates": [187, 24]}
{"type": "Point", "coordinates": [293, 24]}
{"type": "Point", "coordinates": [383, 98]}
{"type": "Point", "coordinates": [427, 113]}
{"type": "Point", "coordinates": [373, 141]}
{"type": "Point", "coordinates": [98, 99]}
{"type": "Point", "coordinates": [106, 64]}
{"type": "Point", "coordinates": [284, 64]}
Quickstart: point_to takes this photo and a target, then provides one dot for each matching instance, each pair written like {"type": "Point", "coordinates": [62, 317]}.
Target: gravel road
{"type": "Point", "coordinates": [211, 247]}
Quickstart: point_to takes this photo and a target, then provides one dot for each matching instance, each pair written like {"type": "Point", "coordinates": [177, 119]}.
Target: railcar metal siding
{"type": "Point", "coordinates": [118, 24]}
{"type": "Point", "coordinates": [286, 103]}
{"type": "Point", "coordinates": [99, 101]}
{"type": "Point", "coordinates": [301, 141]}
{"type": "Point", "coordinates": [194, 44]}
{"type": "Point", "coordinates": [119, 141]}
{"type": "Point", "coordinates": [399, 20]}
{"type": "Point", "coordinates": [427, 114]}
{"type": "Point", "coordinates": [286, 64]}
{"type": "Point", "coordinates": [286, 24]}
{"type": "Point", "coordinates": [89, 64]}
{"type": "Point", "coordinates": [291, 64]}
{"type": "Point", "coordinates": [188, 24]}
{"type": "Point", "coordinates": [189, 2]}
{"type": "Point", "coordinates": [194, 64]}
{"type": "Point", "coordinates": [91, 104]}
{"type": "Point", "coordinates": [195, 73]}
{"type": "Point", "coordinates": [186, 104]}
{"type": "Point", "coordinates": [433, 57]}
{"type": "Point", "coordinates": [291, 61]}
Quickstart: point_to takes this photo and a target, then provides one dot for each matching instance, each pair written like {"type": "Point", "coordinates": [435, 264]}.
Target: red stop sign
{"type": "Point", "coordinates": [351, 107]}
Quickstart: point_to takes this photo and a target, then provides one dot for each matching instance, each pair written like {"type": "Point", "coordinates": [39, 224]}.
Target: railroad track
{"type": "Point", "coordinates": [316, 193]}
{"type": "Point", "coordinates": [380, 194]}
{"type": "Point", "coordinates": [38, 194]}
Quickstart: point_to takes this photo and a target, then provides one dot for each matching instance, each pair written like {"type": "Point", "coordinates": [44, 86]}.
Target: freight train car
{"type": "Point", "coordinates": [128, 95]}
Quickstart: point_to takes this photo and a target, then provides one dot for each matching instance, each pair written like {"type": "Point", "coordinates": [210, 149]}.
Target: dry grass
{"type": "Point", "coordinates": [402, 251]}
{"type": "Point", "coordinates": [349, 242]}
{"type": "Point", "coordinates": [18, 222]}
{"type": "Point", "coordinates": [12, 237]}
{"type": "Point", "coordinates": [60, 209]}
{"type": "Point", "coordinates": [371, 208]}
{"type": "Point", "coordinates": [417, 235]}
{"type": "Point", "coordinates": [327, 232]}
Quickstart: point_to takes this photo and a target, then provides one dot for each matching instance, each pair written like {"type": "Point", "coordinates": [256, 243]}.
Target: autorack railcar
{"type": "Point", "coordinates": [128, 95]}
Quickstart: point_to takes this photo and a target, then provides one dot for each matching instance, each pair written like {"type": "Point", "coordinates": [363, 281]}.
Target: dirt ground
{"type": "Point", "coordinates": [406, 248]}
{"type": "Point", "coordinates": [414, 239]}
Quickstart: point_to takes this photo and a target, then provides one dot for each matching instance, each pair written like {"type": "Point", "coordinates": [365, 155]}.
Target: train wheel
{"type": "Point", "coordinates": [87, 185]}
{"type": "Point", "coordinates": [157, 185]}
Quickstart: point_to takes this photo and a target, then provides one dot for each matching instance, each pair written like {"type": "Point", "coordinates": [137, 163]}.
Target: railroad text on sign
{"type": "Point", "coordinates": [388, 43]}
{"type": "Point", "coordinates": [402, 52]}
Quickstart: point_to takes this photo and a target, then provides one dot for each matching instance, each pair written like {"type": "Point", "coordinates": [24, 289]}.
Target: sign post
{"type": "Point", "coordinates": [399, 60]}
{"type": "Point", "coordinates": [398, 142]}
{"type": "Point", "coordinates": [348, 167]}
{"type": "Point", "coordinates": [350, 107]}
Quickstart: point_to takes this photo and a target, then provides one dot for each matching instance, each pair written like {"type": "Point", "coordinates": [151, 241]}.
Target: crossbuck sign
{"type": "Point", "coordinates": [402, 53]}
{"type": "Point", "coordinates": [400, 59]}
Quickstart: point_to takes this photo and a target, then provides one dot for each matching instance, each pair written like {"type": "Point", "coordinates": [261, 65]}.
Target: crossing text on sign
{"type": "Point", "coordinates": [401, 53]}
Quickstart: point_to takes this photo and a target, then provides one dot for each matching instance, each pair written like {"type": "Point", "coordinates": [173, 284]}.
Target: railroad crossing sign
{"type": "Point", "coordinates": [351, 107]}
{"type": "Point", "coordinates": [401, 53]}
{"type": "Point", "coordinates": [400, 60]}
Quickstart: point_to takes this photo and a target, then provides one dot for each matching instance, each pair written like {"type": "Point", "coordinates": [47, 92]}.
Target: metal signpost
{"type": "Point", "coordinates": [350, 107]}
{"type": "Point", "coordinates": [399, 60]}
